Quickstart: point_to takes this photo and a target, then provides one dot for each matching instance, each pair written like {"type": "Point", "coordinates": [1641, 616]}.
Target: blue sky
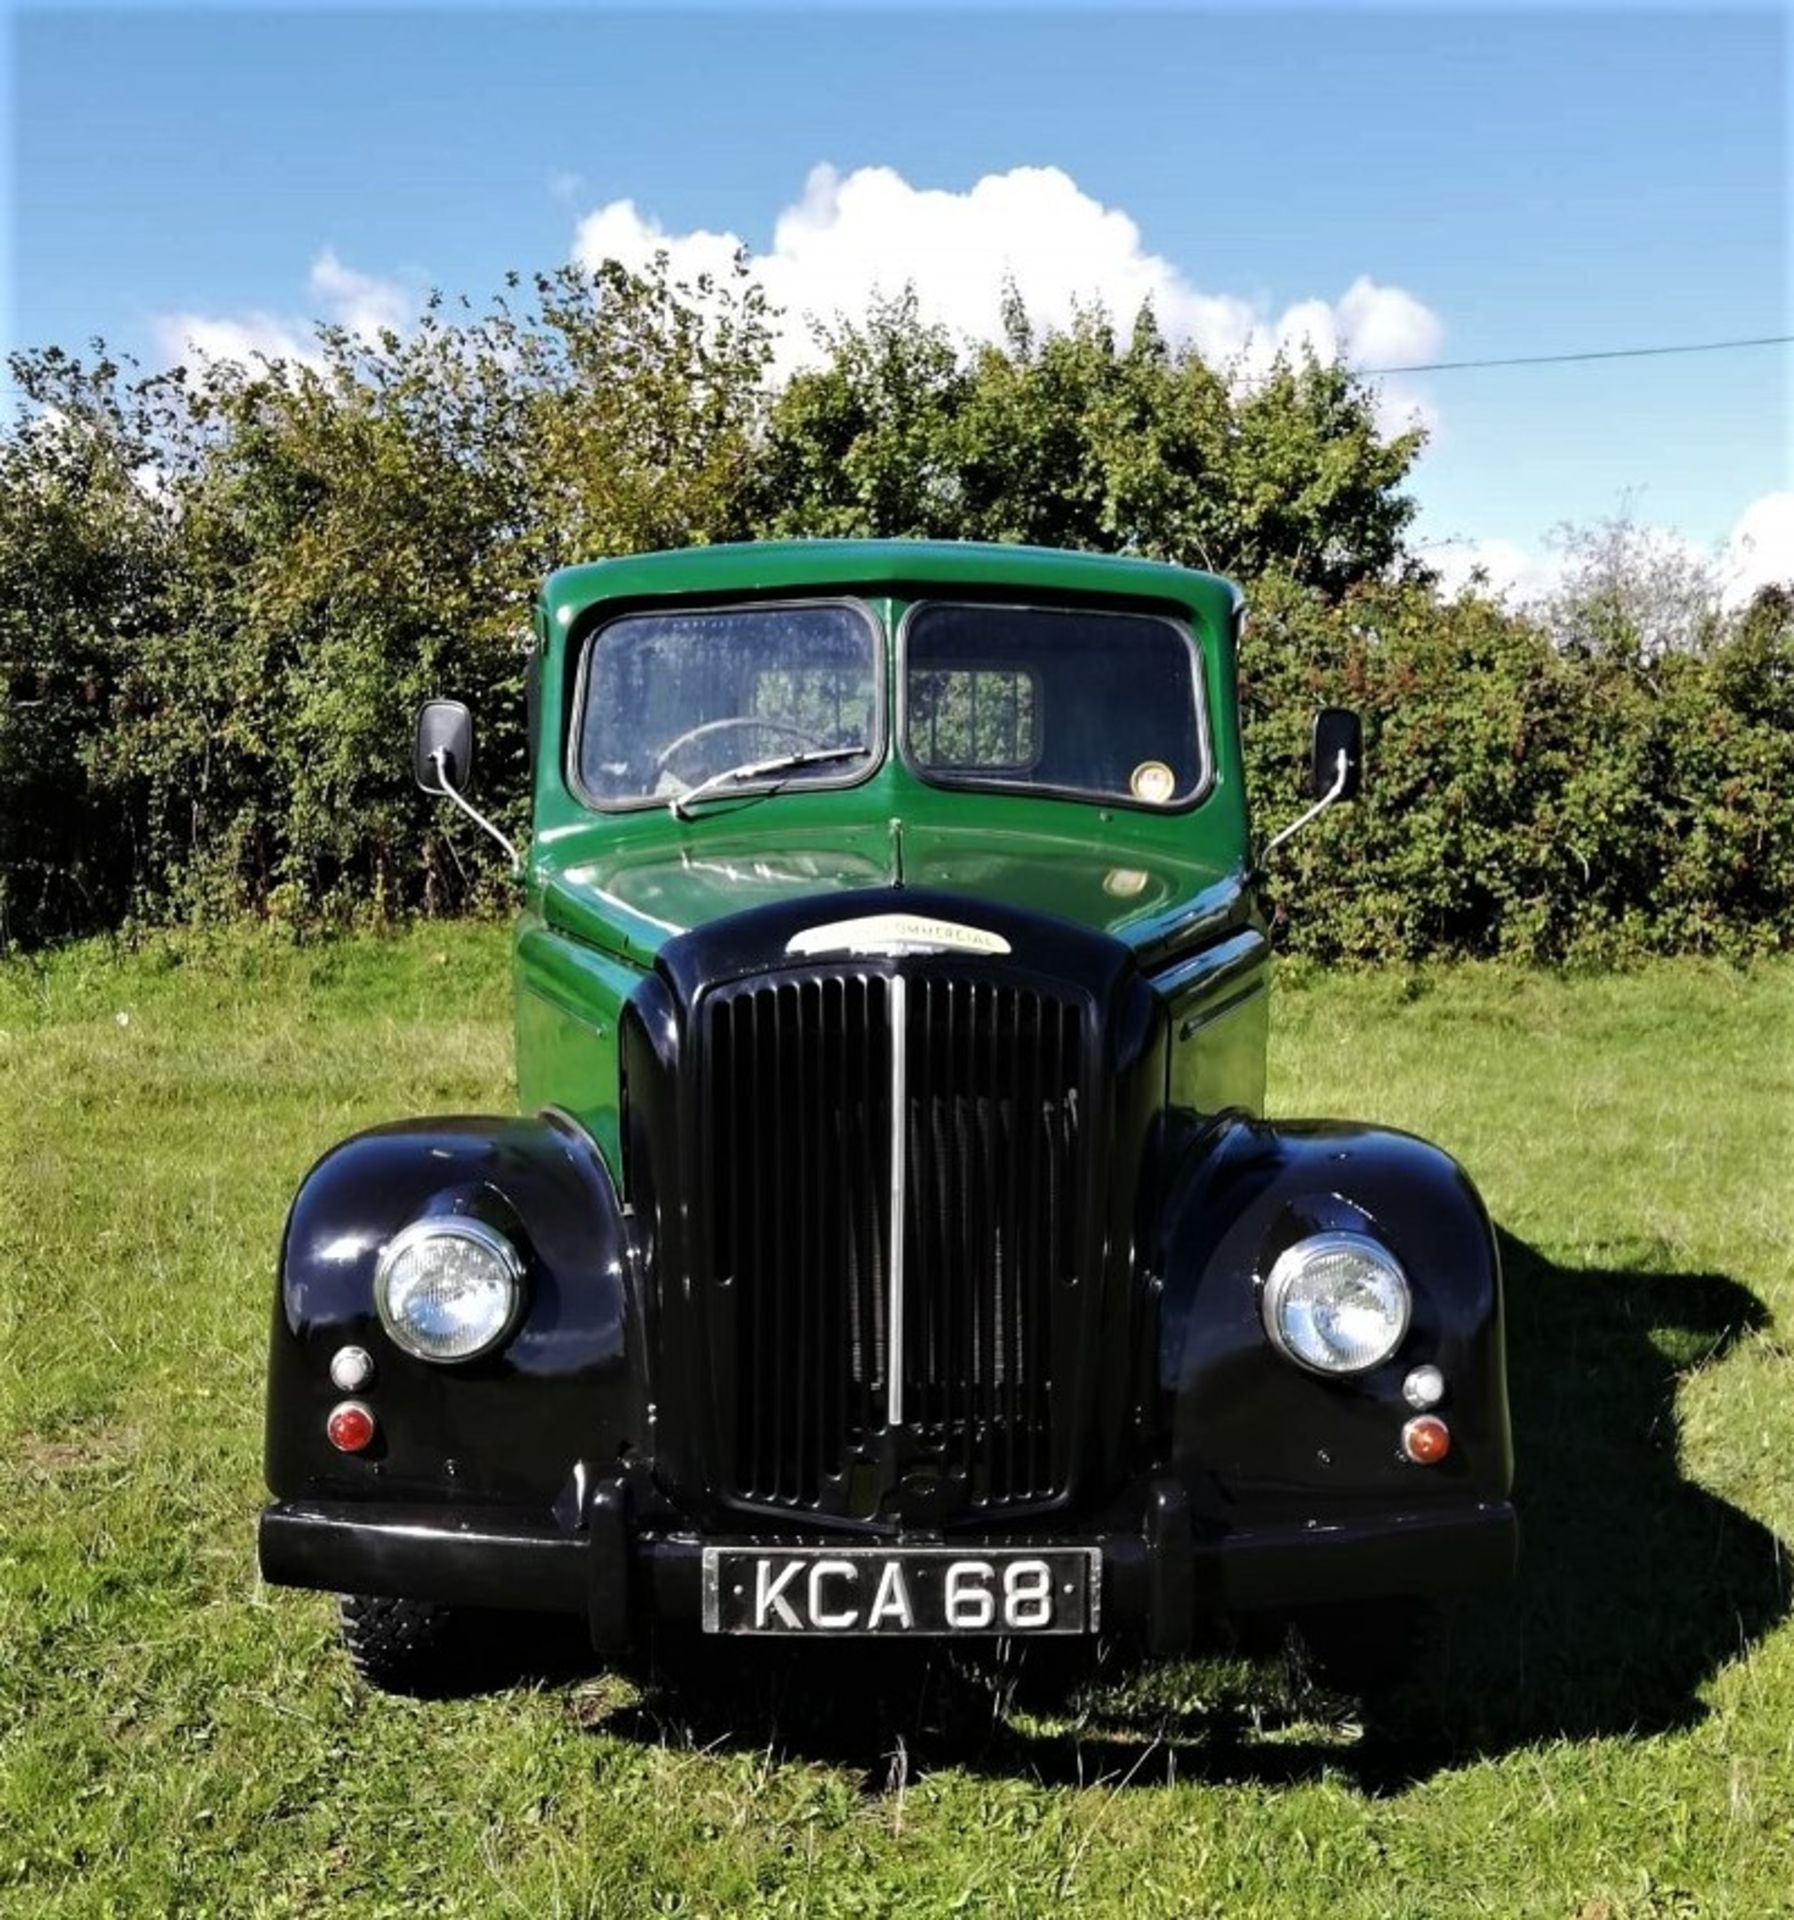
{"type": "Point", "coordinates": [1526, 181]}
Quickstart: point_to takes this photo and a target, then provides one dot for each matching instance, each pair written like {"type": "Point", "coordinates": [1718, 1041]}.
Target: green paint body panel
{"type": "Point", "coordinates": [604, 890]}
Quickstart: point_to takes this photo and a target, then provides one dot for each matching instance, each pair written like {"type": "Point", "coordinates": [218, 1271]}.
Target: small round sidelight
{"type": "Point", "coordinates": [448, 1288]}
{"type": "Point", "coordinates": [351, 1368]}
{"type": "Point", "coordinates": [351, 1427]}
{"type": "Point", "coordinates": [1426, 1440]}
{"type": "Point", "coordinates": [1336, 1303]}
{"type": "Point", "coordinates": [1424, 1388]}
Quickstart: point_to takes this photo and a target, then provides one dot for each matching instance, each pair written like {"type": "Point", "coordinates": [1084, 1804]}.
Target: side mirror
{"type": "Point", "coordinates": [442, 764]}
{"type": "Point", "coordinates": [445, 727]}
{"type": "Point", "coordinates": [1335, 771]}
{"type": "Point", "coordinates": [1337, 730]}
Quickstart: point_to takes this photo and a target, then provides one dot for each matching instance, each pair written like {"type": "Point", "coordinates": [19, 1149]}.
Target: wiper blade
{"type": "Point", "coordinates": [757, 770]}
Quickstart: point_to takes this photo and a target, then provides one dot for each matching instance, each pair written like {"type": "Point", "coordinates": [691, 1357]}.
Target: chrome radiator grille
{"type": "Point", "coordinates": [848, 1373]}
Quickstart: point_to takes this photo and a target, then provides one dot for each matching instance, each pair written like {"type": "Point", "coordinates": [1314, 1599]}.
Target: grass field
{"type": "Point", "coordinates": [1612, 1737]}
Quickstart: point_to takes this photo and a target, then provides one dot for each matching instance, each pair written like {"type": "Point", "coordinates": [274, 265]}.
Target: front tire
{"type": "Point", "coordinates": [405, 1646]}
{"type": "Point", "coordinates": [434, 1652]}
{"type": "Point", "coordinates": [1366, 1648]}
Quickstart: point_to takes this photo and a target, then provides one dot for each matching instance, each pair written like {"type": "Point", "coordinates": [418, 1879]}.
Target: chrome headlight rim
{"type": "Point", "coordinates": [1289, 1266]}
{"type": "Point", "coordinates": [448, 1227]}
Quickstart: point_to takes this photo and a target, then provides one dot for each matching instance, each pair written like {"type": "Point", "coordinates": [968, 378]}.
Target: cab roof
{"type": "Point", "coordinates": [791, 566]}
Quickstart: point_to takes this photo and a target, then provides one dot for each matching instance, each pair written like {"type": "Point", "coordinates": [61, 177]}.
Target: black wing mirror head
{"type": "Point", "coordinates": [1337, 730]}
{"type": "Point", "coordinates": [444, 727]}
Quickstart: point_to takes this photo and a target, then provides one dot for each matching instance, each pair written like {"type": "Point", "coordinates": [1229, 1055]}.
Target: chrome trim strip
{"type": "Point", "coordinates": [899, 1180]}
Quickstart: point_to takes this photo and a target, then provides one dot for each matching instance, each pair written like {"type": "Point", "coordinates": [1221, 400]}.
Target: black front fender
{"type": "Point", "coordinates": [474, 1431]}
{"type": "Point", "coordinates": [1247, 1430]}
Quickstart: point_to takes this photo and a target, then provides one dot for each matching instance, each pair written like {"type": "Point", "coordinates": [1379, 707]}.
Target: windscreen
{"type": "Point", "coordinates": [675, 699]}
{"type": "Point", "coordinates": [1090, 703]}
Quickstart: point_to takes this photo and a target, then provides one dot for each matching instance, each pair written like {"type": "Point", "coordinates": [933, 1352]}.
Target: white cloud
{"type": "Point", "coordinates": [1509, 570]}
{"type": "Point", "coordinates": [852, 236]}
{"type": "Point", "coordinates": [1386, 326]}
{"type": "Point", "coordinates": [345, 297]}
{"type": "Point", "coordinates": [1760, 551]}
{"type": "Point", "coordinates": [245, 337]}
{"type": "Point", "coordinates": [359, 301]}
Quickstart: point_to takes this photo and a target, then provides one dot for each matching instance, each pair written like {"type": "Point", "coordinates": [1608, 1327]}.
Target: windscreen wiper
{"type": "Point", "coordinates": [757, 770]}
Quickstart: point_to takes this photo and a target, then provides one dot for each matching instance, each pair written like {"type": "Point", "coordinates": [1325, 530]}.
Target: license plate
{"type": "Point", "coordinates": [902, 1590]}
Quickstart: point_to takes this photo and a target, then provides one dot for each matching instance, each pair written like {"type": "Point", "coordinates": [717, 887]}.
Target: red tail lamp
{"type": "Point", "coordinates": [350, 1427]}
{"type": "Point", "coordinates": [1426, 1440]}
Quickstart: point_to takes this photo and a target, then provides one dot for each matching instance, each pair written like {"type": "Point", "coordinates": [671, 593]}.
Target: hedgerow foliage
{"type": "Point", "coordinates": [224, 589]}
{"type": "Point", "coordinates": [1530, 795]}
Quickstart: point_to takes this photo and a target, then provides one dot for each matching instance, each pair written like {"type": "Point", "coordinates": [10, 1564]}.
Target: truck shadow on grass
{"type": "Point", "coordinates": [1636, 1588]}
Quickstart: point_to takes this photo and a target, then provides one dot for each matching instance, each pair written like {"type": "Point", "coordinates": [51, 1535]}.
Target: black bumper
{"type": "Point", "coordinates": [1161, 1578]}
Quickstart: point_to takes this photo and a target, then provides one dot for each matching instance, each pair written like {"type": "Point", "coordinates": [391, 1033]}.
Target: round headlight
{"type": "Point", "coordinates": [1337, 1303]}
{"type": "Point", "coordinates": [448, 1289]}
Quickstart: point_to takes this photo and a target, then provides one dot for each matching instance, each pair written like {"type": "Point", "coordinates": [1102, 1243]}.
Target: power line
{"type": "Point", "coordinates": [1567, 359]}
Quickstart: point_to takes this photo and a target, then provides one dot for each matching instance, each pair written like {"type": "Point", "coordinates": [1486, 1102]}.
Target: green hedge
{"type": "Point", "coordinates": [224, 590]}
{"type": "Point", "coordinates": [1524, 800]}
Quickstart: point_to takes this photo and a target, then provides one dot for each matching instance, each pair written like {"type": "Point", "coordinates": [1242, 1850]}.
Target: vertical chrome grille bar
{"type": "Point", "coordinates": [899, 1025]}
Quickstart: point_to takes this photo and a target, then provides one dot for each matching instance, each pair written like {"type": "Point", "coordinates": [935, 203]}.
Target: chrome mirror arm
{"type": "Point", "coordinates": [1320, 806]}
{"type": "Point", "coordinates": [439, 760]}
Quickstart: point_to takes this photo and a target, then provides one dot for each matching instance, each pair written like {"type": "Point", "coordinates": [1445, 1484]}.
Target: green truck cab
{"type": "Point", "coordinates": [891, 1241]}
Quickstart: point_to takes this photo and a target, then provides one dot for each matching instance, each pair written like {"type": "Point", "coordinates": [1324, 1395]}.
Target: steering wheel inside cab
{"type": "Point", "coordinates": [701, 752]}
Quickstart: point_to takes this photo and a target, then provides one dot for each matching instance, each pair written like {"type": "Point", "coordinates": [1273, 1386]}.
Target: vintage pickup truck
{"type": "Point", "coordinates": [891, 1241]}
